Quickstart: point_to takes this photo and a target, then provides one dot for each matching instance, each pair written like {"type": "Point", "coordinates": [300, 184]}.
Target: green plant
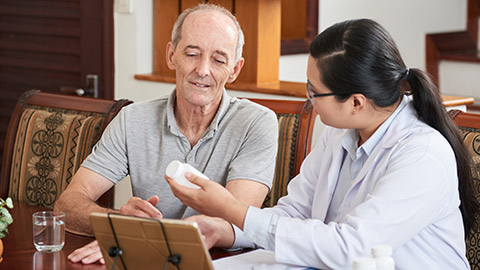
{"type": "Point", "coordinates": [5, 217]}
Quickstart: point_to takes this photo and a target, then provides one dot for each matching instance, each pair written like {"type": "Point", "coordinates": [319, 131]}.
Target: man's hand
{"type": "Point", "coordinates": [141, 208]}
{"type": "Point", "coordinates": [135, 206]}
{"type": "Point", "coordinates": [87, 254]}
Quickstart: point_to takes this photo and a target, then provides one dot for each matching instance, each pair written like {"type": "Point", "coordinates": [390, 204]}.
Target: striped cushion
{"type": "Point", "coordinates": [49, 148]}
{"type": "Point", "coordinates": [471, 137]}
{"type": "Point", "coordinates": [287, 135]}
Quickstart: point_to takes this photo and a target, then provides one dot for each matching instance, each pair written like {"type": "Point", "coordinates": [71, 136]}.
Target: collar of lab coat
{"type": "Point", "coordinates": [401, 124]}
{"type": "Point", "coordinates": [400, 127]}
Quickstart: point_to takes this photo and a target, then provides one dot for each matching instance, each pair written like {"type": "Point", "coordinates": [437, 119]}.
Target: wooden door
{"type": "Point", "coordinates": [52, 45]}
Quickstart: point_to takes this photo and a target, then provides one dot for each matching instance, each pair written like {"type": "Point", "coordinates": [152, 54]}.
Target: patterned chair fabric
{"type": "Point", "coordinates": [284, 164]}
{"type": "Point", "coordinates": [49, 147]}
{"type": "Point", "coordinates": [295, 127]}
{"type": "Point", "coordinates": [48, 143]}
{"type": "Point", "coordinates": [471, 137]}
{"type": "Point", "coordinates": [469, 126]}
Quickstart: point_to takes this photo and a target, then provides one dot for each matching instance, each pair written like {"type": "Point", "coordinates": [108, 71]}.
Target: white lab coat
{"type": "Point", "coordinates": [406, 196]}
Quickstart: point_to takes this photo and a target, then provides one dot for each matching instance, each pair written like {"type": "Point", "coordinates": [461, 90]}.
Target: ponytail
{"type": "Point", "coordinates": [365, 51]}
{"type": "Point", "coordinates": [430, 109]}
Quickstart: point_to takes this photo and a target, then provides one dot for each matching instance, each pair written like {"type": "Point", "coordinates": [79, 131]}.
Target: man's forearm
{"type": "Point", "coordinates": [77, 211]}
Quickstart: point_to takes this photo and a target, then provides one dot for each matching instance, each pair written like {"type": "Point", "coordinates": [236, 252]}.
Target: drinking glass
{"type": "Point", "coordinates": [48, 230]}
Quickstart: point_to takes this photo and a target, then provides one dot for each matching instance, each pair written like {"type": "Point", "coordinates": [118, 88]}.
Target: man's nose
{"type": "Point", "coordinates": [203, 67]}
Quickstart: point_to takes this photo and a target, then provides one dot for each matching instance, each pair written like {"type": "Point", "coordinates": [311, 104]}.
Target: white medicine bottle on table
{"type": "Point", "coordinates": [176, 170]}
{"type": "Point", "coordinates": [364, 263]}
{"type": "Point", "coordinates": [383, 257]}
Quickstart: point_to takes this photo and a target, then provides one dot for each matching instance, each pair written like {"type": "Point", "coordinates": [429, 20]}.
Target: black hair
{"type": "Point", "coordinates": [360, 57]}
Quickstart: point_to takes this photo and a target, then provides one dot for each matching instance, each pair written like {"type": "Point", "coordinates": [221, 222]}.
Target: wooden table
{"type": "Point", "coordinates": [19, 252]}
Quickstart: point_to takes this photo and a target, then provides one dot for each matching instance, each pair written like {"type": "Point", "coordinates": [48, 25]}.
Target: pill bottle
{"type": "Point", "coordinates": [364, 263]}
{"type": "Point", "coordinates": [383, 257]}
{"type": "Point", "coordinates": [176, 170]}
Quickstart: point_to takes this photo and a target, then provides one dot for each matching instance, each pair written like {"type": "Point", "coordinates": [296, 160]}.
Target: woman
{"type": "Point", "coordinates": [390, 168]}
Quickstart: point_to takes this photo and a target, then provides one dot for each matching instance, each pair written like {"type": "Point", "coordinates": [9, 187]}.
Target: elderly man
{"type": "Point", "coordinates": [232, 141]}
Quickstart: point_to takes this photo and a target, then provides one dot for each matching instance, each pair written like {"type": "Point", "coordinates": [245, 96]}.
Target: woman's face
{"type": "Point", "coordinates": [332, 112]}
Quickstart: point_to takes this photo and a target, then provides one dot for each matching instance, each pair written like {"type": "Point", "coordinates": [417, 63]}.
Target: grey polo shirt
{"type": "Point", "coordinates": [240, 143]}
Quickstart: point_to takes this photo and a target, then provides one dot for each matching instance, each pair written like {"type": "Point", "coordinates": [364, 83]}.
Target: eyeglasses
{"type": "Point", "coordinates": [311, 94]}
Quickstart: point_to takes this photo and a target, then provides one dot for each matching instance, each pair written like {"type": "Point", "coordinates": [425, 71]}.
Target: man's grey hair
{"type": "Point", "coordinates": [177, 27]}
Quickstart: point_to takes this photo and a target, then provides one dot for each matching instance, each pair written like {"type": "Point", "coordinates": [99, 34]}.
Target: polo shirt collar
{"type": "Point", "coordinates": [222, 110]}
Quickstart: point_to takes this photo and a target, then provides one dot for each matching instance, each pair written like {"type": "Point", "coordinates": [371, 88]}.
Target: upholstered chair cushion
{"type": "Point", "coordinates": [284, 167]}
{"type": "Point", "coordinates": [49, 147]}
{"type": "Point", "coordinates": [471, 137]}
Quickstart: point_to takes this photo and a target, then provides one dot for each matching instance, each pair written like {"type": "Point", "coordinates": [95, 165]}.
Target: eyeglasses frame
{"type": "Point", "coordinates": [311, 94]}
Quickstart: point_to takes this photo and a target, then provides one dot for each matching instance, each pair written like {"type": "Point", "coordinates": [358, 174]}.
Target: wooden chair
{"type": "Point", "coordinates": [48, 137]}
{"type": "Point", "coordinates": [469, 125]}
{"type": "Point", "coordinates": [295, 123]}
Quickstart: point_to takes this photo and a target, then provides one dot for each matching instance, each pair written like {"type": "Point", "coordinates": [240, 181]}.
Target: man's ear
{"type": "Point", "coordinates": [170, 51]}
{"type": "Point", "coordinates": [236, 70]}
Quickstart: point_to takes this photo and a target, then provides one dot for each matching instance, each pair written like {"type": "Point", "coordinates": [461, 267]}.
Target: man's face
{"type": "Point", "coordinates": [204, 60]}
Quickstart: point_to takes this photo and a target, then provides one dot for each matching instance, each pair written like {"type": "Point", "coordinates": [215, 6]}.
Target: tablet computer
{"type": "Point", "coordinates": [130, 242]}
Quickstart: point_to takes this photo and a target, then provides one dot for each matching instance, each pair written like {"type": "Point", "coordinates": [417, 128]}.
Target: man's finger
{"type": "Point", "coordinates": [146, 211]}
{"type": "Point", "coordinates": [84, 252]}
{"type": "Point", "coordinates": [141, 208]}
{"type": "Point", "coordinates": [153, 200]}
{"type": "Point", "coordinates": [152, 211]}
{"type": "Point", "coordinates": [92, 258]}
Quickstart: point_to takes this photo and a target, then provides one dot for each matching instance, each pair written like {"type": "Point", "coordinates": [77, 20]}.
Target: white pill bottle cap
{"type": "Point", "coordinates": [382, 251]}
{"type": "Point", "coordinates": [175, 169]}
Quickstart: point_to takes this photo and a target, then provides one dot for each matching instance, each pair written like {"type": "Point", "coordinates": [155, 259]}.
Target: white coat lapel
{"type": "Point", "coordinates": [398, 130]}
{"type": "Point", "coordinates": [324, 193]}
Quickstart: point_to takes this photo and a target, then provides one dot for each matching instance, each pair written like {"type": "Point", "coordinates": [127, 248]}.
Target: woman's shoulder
{"type": "Point", "coordinates": [428, 143]}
